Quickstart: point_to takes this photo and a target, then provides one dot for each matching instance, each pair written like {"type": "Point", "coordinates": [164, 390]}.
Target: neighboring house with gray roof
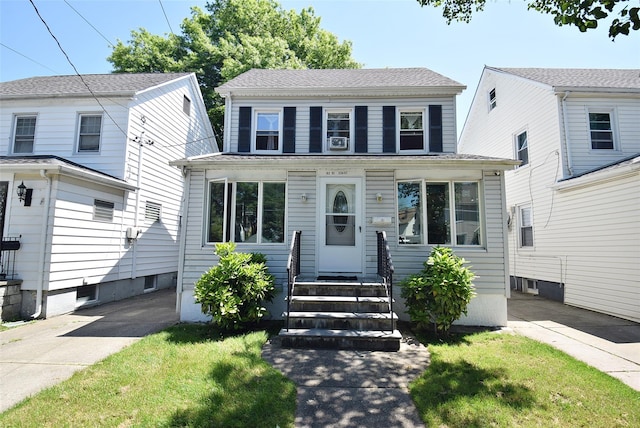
{"type": "Point", "coordinates": [340, 155]}
{"type": "Point", "coordinates": [574, 231]}
{"type": "Point", "coordinates": [89, 205]}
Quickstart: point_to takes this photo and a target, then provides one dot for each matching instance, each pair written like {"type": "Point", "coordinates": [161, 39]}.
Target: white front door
{"type": "Point", "coordinates": [340, 232]}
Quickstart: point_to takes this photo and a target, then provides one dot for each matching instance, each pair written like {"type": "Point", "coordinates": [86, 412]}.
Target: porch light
{"type": "Point", "coordinates": [379, 197]}
{"type": "Point", "coordinates": [304, 197]}
{"type": "Point", "coordinates": [22, 191]}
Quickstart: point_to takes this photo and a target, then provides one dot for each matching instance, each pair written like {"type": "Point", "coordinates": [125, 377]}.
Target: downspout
{"type": "Point", "coordinates": [566, 133]}
{"type": "Point", "coordinates": [186, 174]}
{"type": "Point", "coordinates": [43, 240]}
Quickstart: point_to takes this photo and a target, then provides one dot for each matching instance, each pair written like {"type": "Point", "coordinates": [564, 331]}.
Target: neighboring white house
{"type": "Point", "coordinates": [574, 231]}
{"type": "Point", "coordinates": [340, 155]}
{"type": "Point", "coordinates": [98, 218]}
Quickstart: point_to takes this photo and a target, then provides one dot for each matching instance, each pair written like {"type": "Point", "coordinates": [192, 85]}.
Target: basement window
{"type": "Point", "coordinates": [150, 282]}
{"type": "Point", "coordinates": [86, 294]}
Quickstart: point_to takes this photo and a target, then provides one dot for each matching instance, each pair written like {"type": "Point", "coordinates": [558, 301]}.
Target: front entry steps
{"type": "Point", "coordinates": [340, 315]}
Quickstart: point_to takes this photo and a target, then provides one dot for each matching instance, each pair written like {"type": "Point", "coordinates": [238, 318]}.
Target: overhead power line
{"type": "Point", "coordinates": [90, 24]}
{"type": "Point", "coordinates": [165, 17]}
{"type": "Point", "coordinates": [30, 59]}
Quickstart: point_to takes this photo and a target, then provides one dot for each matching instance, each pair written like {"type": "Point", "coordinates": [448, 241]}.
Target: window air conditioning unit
{"type": "Point", "coordinates": [338, 143]}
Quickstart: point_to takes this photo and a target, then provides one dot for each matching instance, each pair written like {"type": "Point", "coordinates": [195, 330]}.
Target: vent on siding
{"type": "Point", "coordinates": [152, 212]}
{"type": "Point", "coordinates": [102, 210]}
{"type": "Point", "coordinates": [186, 105]}
{"type": "Point", "coordinates": [493, 102]}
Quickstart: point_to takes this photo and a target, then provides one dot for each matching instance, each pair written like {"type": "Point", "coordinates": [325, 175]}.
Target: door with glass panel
{"type": "Point", "coordinates": [340, 234]}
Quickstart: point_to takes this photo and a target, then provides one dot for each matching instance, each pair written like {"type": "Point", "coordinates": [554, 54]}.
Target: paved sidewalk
{"type": "Point", "coordinates": [43, 353]}
{"type": "Point", "coordinates": [607, 343]}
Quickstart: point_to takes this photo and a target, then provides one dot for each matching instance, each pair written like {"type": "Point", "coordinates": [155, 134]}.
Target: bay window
{"type": "Point", "coordinates": [251, 212]}
{"type": "Point", "coordinates": [449, 210]}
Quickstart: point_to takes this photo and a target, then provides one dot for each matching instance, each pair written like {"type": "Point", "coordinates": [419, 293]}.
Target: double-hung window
{"type": "Point", "coordinates": [89, 132]}
{"type": "Point", "coordinates": [526, 227]}
{"type": "Point", "coordinates": [439, 213]}
{"type": "Point", "coordinates": [493, 101]}
{"type": "Point", "coordinates": [24, 134]}
{"type": "Point", "coordinates": [251, 212]}
{"type": "Point", "coordinates": [338, 129]}
{"type": "Point", "coordinates": [411, 130]}
{"type": "Point", "coordinates": [267, 131]}
{"type": "Point", "coordinates": [601, 131]}
{"type": "Point", "coordinates": [522, 148]}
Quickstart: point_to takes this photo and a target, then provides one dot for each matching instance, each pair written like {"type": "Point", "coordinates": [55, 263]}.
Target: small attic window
{"type": "Point", "coordinates": [186, 105]}
{"type": "Point", "coordinates": [492, 99]}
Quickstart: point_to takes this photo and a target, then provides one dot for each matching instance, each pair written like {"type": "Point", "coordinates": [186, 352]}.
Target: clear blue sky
{"type": "Point", "coordinates": [384, 33]}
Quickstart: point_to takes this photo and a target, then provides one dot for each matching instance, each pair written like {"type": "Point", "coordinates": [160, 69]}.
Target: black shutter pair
{"type": "Point", "coordinates": [389, 129]}
{"type": "Point", "coordinates": [288, 130]}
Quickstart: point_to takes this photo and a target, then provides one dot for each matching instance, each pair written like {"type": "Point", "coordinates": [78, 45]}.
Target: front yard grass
{"type": "Point", "coordinates": [185, 376]}
{"type": "Point", "coordinates": [504, 380]}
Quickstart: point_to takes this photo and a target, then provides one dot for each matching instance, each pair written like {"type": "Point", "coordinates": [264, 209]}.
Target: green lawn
{"type": "Point", "coordinates": [504, 380]}
{"type": "Point", "coordinates": [185, 376]}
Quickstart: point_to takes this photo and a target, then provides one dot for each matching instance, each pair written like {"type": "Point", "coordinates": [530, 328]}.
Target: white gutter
{"type": "Point", "coordinates": [186, 174]}
{"type": "Point", "coordinates": [566, 134]}
{"type": "Point", "coordinates": [43, 248]}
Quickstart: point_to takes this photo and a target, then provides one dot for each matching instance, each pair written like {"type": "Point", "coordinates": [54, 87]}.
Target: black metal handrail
{"type": "Point", "coordinates": [8, 248]}
{"type": "Point", "coordinates": [385, 270]}
{"type": "Point", "coordinates": [293, 267]}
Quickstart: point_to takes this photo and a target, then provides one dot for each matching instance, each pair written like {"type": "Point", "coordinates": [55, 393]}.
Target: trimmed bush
{"type": "Point", "coordinates": [439, 294]}
{"type": "Point", "coordinates": [233, 291]}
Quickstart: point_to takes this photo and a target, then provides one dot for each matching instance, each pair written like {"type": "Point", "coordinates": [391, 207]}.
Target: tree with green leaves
{"type": "Point", "coordinates": [231, 37]}
{"type": "Point", "coordinates": [584, 14]}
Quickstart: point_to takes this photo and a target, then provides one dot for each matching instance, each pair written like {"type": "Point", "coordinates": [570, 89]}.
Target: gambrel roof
{"type": "Point", "coordinates": [340, 81]}
{"type": "Point", "coordinates": [563, 79]}
{"type": "Point", "coordinates": [74, 85]}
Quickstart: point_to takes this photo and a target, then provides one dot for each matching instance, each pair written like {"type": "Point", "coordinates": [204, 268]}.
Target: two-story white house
{"type": "Point", "coordinates": [574, 201]}
{"type": "Point", "coordinates": [339, 155]}
{"type": "Point", "coordinates": [90, 208]}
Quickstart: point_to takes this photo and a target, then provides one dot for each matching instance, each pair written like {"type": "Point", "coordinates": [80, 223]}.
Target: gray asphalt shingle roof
{"type": "Point", "coordinates": [579, 77]}
{"type": "Point", "coordinates": [339, 78]}
{"type": "Point", "coordinates": [72, 85]}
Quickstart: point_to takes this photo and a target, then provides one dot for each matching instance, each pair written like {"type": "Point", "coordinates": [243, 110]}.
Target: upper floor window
{"type": "Point", "coordinates": [411, 130]}
{"type": "Point", "coordinates": [338, 129]}
{"type": "Point", "coordinates": [522, 148]}
{"type": "Point", "coordinates": [24, 135]}
{"type": "Point", "coordinates": [601, 131]}
{"type": "Point", "coordinates": [493, 102]}
{"type": "Point", "coordinates": [89, 132]}
{"type": "Point", "coordinates": [267, 131]}
{"type": "Point", "coordinates": [526, 227]}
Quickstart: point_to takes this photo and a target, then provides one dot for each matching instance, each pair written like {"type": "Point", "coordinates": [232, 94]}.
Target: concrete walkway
{"type": "Point", "coordinates": [43, 353]}
{"type": "Point", "coordinates": [607, 343]}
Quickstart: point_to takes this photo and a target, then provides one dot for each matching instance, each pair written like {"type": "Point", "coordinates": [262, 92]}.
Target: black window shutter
{"type": "Point", "coordinates": [389, 129]}
{"type": "Point", "coordinates": [435, 128]}
{"type": "Point", "coordinates": [244, 130]}
{"type": "Point", "coordinates": [289, 130]}
{"type": "Point", "coordinates": [361, 121]}
{"type": "Point", "coordinates": [315, 129]}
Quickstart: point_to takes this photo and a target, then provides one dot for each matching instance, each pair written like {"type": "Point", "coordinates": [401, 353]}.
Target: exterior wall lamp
{"type": "Point", "coordinates": [379, 197]}
{"type": "Point", "coordinates": [24, 194]}
{"type": "Point", "coordinates": [304, 197]}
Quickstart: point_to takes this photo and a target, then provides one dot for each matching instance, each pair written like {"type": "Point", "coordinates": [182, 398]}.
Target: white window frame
{"type": "Point", "coordinates": [229, 211]}
{"type": "Point", "coordinates": [492, 101]}
{"type": "Point", "coordinates": [516, 147]}
{"type": "Point", "coordinates": [425, 130]}
{"type": "Point", "coordinates": [325, 130]}
{"type": "Point", "coordinates": [452, 213]}
{"type": "Point", "coordinates": [612, 125]}
{"type": "Point", "coordinates": [254, 130]}
{"type": "Point", "coordinates": [78, 134]}
{"type": "Point", "coordinates": [522, 225]}
{"type": "Point", "coordinates": [15, 131]}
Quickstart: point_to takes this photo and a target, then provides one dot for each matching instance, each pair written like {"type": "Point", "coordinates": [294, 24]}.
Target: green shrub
{"type": "Point", "coordinates": [233, 291]}
{"type": "Point", "coordinates": [440, 293]}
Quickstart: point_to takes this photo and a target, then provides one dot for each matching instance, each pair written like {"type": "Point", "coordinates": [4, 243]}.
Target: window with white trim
{"type": "Point", "coordinates": [601, 130]}
{"type": "Point", "coordinates": [252, 212]}
{"type": "Point", "coordinates": [338, 129]}
{"type": "Point", "coordinates": [103, 210]}
{"type": "Point", "coordinates": [522, 148]}
{"type": "Point", "coordinates": [493, 102]}
{"type": "Point", "coordinates": [411, 130]}
{"type": "Point", "coordinates": [24, 134]}
{"type": "Point", "coordinates": [267, 131]}
{"type": "Point", "coordinates": [526, 227]}
{"type": "Point", "coordinates": [89, 133]}
{"type": "Point", "coordinates": [439, 213]}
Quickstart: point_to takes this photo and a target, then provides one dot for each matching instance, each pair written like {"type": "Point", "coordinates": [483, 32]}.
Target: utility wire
{"type": "Point", "coordinates": [90, 24]}
{"type": "Point", "coordinates": [165, 17]}
{"type": "Point", "coordinates": [30, 59]}
{"type": "Point", "coordinates": [75, 69]}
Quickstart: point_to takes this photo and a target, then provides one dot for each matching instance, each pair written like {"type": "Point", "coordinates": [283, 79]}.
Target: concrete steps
{"type": "Point", "coordinates": [340, 315]}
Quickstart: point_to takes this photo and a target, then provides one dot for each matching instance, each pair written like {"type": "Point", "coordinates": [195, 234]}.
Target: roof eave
{"type": "Point", "coordinates": [405, 91]}
{"type": "Point", "coordinates": [119, 94]}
